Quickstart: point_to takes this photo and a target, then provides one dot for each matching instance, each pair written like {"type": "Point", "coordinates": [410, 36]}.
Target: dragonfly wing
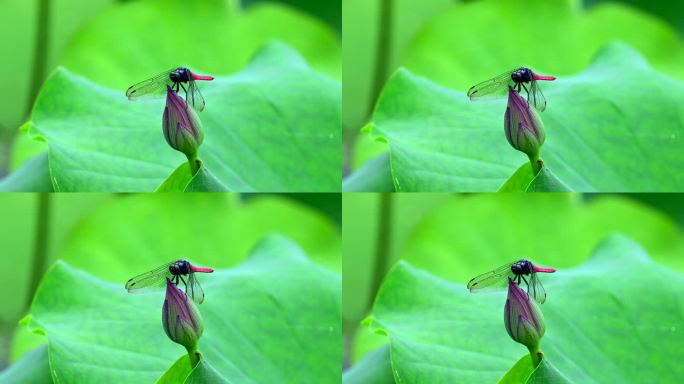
{"type": "Point", "coordinates": [194, 97]}
{"type": "Point", "coordinates": [151, 280]}
{"type": "Point", "coordinates": [496, 86]}
{"type": "Point", "coordinates": [496, 278]}
{"type": "Point", "coordinates": [150, 87]}
{"type": "Point", "coordinates": [536, 289]}
{"type": "Point", "coordinates": [535, 97]}
{"type": "Point", "coordinates": [193, 289]}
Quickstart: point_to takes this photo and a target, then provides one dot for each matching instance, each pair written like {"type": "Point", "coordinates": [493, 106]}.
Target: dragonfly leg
{"type": "Point", "coordinates": [523, 277]}
{"type": "Point", "coordinates": [186, 94]}
{"type": "Point", "coordinates": [186, 287]}
{"type": "Point", "coordinates": [185, 284]}
{"type": "Point", "coordinates": [526, 91]}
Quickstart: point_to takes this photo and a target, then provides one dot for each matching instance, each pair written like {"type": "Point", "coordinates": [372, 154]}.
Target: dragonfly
{"type": "Point", "coordinates": [176, 271]}
{"type": "Point", "coordinates": [176, 79]}
{"type": "Point", "coordinates": [517, 80]}
{"type": "Point", "coordinates": [517, 271]}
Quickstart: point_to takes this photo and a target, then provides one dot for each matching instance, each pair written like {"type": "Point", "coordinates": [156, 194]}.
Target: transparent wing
{"type": "Point", "coordinates": [535, 97]}
{"type": "Point", "coordinates": [151, 87]}
{"type": "Point", "coordinates": [151, 280]}
{"type": "Point", "coordinates": [497, 86]}
{"type": "Point", "coordinates": [194, 290]}
{"type": "Point", "coordinates": [193, 96]}
{"type": "Point", "coordinates": [497, 278]}
{"type": "Point", "coordinates": [536, 290]}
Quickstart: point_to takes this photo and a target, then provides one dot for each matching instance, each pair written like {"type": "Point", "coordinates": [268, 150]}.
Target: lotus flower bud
{"type": "Point", "coordinates": [180, 317]}
{"type": "Point", "coordinates": [523, 127]}
{"type": "Point", "coordinates": [182, 127]}
{"type": "Point", "coordinates": [522, 318]}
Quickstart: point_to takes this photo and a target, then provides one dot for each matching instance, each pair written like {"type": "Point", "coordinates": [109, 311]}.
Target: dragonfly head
{"type": "Point", "coordinates": [181, 75]}
{"type": "Point", "coordinates": [180, 267]}
{"type": "Point", "coordinates": [522, 75]}
{"type": "Point", "coordinates": [522, 267]}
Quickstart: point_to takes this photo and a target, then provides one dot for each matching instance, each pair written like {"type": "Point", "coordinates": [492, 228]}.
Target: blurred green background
{"type": "Point", "coordinates": [78, 34]}
{"type": "Point", "coordinates": [460, 236]}
{"type": "Point", "coordinates": [454, 43]}
{"type": "Point", "coordinates": [118, 236]}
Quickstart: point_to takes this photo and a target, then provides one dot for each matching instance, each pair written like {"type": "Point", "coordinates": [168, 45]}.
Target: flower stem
{"type": "Point", "coordinates": [383, 48]}
{"type": "Point", "coordinates": [40, 55]}
{"type": "Point", "coordinates": [535, 355]}
{"type": "Point", "coordinates": [194, 356]}
{"type": "Point", "coordinates": [40, 250]}
{"type": "Point", "coordinates": [536, 163]}
{"type": "Point", "coordinates": [194, 164]}
{"type": "Point", "coordinates": [383, 243]}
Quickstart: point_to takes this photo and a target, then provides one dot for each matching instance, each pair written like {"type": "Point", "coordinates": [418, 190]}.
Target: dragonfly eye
{"type": "Point", "coordinates": [182, 75]}
{"type": "Point", "coordinates": [178, 267]}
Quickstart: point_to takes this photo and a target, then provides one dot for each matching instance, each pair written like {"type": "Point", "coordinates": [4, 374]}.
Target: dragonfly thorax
{"type": "Point", "coordinates": [180, 267]}
{"type": "Point", "coordinates": [180, 75]}
{"type": "Point", "coordinates": [521, 75]}
{"type": "Point", "coordinates": [522, 267]}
